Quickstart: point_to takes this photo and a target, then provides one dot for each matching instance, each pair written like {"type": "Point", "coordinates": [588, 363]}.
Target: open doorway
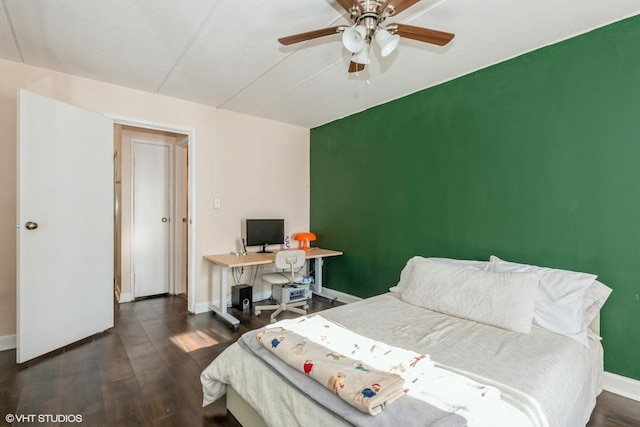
{"type": "Point", "coordinates": [153, 229]}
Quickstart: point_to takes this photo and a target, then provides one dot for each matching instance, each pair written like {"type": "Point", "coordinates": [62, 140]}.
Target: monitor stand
{"type": "Point", "coordinates": [264, 250]}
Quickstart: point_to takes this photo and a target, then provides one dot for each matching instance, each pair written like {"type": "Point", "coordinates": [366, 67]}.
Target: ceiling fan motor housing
{"type": "Point", "coordinates": [371, 14]}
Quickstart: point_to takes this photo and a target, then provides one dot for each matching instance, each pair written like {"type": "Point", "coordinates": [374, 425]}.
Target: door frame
{"type": "Point", "coordinates": [170, 194]}
{"type": "Point", "coordinates": [178, 214]}
{"type": "Point", "coordinates": [191, 144]}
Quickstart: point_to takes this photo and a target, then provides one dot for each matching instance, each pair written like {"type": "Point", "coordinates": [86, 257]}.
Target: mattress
{"type": "Point", "coordinates": [551, 379]}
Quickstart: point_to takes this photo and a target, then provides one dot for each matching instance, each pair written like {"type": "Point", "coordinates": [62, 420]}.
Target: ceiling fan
{"type": "Point", "coordinates": [367, 17]}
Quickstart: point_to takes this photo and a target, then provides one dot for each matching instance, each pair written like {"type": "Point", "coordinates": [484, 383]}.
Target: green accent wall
{"type": "Point", "coordinates": [535, 160]}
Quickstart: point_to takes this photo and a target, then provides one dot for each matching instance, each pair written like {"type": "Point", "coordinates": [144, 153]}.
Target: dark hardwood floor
{"type": "Point", "coordinates": [146, 372]}
{"type": "Point", "coordinates": [143, 372]}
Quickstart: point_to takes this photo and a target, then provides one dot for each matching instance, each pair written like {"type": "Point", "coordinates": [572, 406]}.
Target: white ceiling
{"type": "Point", "coordinates": [225, 53]}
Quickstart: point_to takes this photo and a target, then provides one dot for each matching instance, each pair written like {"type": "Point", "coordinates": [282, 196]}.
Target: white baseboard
{"type": "Point", "coordinates": [7, 342]}
{"type": "Point", "coordinates": [125, 297]}
{"type": "Point", "coordinates": [342, 296]}
{"type": "Point", "coordinates": [202, 307]}
{"type": "Point", "coordinates": [623, 386]}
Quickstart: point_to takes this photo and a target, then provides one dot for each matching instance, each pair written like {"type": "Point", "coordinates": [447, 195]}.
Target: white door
{"type": "Point", "coordinates": [151, 226]}
{"type": "Point", "coordinates": [65, 225]}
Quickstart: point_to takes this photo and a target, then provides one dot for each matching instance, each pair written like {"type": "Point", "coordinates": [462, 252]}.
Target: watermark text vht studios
{"type": "Point", "coordinates": [43, 418]}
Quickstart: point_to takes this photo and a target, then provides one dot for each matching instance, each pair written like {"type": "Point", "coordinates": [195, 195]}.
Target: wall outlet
{"type": "Point", "coordinates": [216, 202]}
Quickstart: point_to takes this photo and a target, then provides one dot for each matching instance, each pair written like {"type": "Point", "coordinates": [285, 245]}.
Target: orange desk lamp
{"type": "Point", "coordinates": [304, 239]}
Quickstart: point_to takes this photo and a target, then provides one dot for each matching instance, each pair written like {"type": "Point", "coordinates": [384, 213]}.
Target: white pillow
{"type": "Point", "coordinates": [594, 299]}
{"type": "Point", "coordinates": [505, 300]}
{"type": "Point", "coordinates": [560, 300]}
{"type": "Point", "coordinates": [406, 271]}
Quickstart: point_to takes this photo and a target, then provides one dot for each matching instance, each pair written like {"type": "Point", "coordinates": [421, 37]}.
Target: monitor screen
{"type": "Point", "coordinates": [263, 232]}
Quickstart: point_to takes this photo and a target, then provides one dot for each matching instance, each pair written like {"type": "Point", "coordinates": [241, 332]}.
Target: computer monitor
{"type": "Point", "coordinates": [263, 232]}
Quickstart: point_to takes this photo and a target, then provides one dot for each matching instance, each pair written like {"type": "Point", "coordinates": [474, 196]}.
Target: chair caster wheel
{"type": "Point", "coordinates": [258, 313]}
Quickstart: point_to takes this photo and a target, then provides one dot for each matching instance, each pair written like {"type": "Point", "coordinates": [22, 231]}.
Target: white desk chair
{"type": "Point", "coordinates": [287, 262]}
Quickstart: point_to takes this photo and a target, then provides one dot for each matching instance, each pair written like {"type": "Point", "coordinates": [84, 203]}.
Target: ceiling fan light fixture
{"type": "Point", "coordinates": [353, 38]}
{"type": "Point", "coordinates": [387, 41]}
{"type": "Point", "coordinates": [367, 19]}
{"type": "Point", "coordinates": [362, 57]}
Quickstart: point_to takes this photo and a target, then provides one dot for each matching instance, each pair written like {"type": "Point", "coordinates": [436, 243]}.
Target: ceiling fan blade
{"type": "Point", "coordinates": [399, 5]}
{"type": "Point", "coordinates": [348, 4]}
{"type": "Point", "coordinates": [354, 67]}
{"type": "Point", "coordinates": [423, 34]}
{"type": "Point", "coordinates": [297, 38]}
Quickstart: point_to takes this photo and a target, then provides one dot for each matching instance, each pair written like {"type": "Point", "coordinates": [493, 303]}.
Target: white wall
{"type": "Point", "coordinates": [267, 163]}
{"type": "Point", "coordinates": [256, 166]}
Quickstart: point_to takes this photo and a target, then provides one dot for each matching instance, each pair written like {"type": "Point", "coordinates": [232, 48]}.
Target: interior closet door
{"type": "Point", "coordinates": [65, 225]}
{"type": "Point", "coordinates": [151, 218]}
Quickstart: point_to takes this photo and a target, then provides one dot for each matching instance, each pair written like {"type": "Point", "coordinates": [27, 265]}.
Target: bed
{"type": "Point", "coordinates": [471, 319]}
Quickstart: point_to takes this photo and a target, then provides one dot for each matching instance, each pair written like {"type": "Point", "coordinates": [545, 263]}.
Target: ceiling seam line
{"type": "Point", "coordinates": [223, 103]}
{"type": "Point", "coordinates": [425, 10]}
{"type": "Point", "coordinates": [13, 31]}
{"type": "Point", "coordinates": [186, 49]}
{"type": "Point", "coordinates": [299, 83]}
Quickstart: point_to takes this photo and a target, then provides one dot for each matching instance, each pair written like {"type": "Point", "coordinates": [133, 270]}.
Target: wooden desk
{"type": "Point", "coordinates": [224, 261]}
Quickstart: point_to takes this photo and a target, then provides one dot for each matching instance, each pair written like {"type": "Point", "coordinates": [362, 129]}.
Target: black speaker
{"type": "Point", "coordinates": [242, 297]}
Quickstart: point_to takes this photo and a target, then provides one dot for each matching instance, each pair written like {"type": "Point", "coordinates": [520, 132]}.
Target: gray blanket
{"type": "Point", "coordinates": [405, 411]}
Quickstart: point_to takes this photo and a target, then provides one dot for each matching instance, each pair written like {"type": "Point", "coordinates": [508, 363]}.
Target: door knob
{"type": "Point", "coordinates": [165, 219]}
{"type": "Point", "coordinates": [31, 225]}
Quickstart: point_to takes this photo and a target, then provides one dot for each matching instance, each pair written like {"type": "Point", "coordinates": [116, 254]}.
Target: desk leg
{"type": "Point", "coordinates": [317, 287]}
{"type": "Point", "coordinates": [222, 310]}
